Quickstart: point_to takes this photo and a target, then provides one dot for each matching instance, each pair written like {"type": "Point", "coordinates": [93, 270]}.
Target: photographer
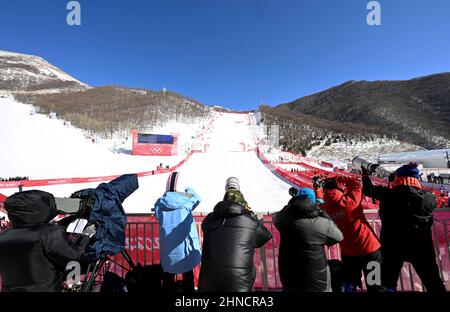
{"type": "Point", "coordinates": [317, 185]}
{"type": "Point", "coordinates": [360, 246]}
{"type": "Point", "coordinates": [304, 232]}
{"type": "Point", "coordinates": [34, 253]}
{"type": "Point", "coordinates": [179, 242]}
{"type": "Point", "coordinates": [231, 232]}
{"type": "Point", "coordinates": [406, 213]}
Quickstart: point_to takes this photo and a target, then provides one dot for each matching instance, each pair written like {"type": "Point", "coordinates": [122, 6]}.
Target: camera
{"type": "Point", "coordinates": [318, 182]}
{"type": "Point", "coordinates": [74, 208]}
{"type": "Point", "coordinates": [372, 167]}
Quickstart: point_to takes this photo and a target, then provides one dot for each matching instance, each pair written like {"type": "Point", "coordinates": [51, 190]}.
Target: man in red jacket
{"type": "Point", "coordinates": [360, 247]}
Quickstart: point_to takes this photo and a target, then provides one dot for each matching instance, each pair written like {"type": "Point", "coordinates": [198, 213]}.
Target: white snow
{"type": "Point", "coordinates": [346, 151]}
{"type": "Point", "coordinates": [43, 148]}
{"type": "Point", "coordinates": [39, 147]}
{"type": "Point", "coordinates": [44, 67]}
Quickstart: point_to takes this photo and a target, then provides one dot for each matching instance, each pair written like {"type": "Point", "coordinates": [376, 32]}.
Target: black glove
{"type": "Point", "coordinates": [365, 171]}
{"type": "Point", "coordinates": [90, 230]}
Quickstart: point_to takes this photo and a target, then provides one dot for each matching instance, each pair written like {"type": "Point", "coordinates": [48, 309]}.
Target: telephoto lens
{"type": "Point", "coordinates": [232, 183]}
{"type": "Point", "coordinates": [360, 162]}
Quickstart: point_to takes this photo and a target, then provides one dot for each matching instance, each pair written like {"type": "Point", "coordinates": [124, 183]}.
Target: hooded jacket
{"type": "Point", "coordinates": [347, 212]}
{"type": "Point", "coordinates": [230, 235]}
{"type": "Point", "coordinates": [34, 253]}
{"type": "Point", "coordinates": [179, 243]}
{"type": "Point", "coordinates": [304, 231]}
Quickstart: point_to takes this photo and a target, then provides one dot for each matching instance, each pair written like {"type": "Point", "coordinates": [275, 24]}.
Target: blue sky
{"type": "Point", "coordinates": [234, 53]}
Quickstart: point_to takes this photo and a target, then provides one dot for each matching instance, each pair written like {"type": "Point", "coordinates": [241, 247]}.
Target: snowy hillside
{"type": "Point", "coordinates": [29, 73]}
{"type": "Point", "coordinates": [40, 147]}
{"type": "Point", "coordinates": [414, 111]}
{"type": "Point", "coordinates": [346, 151]}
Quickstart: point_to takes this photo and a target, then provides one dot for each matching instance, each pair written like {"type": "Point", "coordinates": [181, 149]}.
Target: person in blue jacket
{"type": "Point", "coordinates": [179, 243]}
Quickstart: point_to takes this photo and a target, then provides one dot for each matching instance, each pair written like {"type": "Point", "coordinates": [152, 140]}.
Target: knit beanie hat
{"type": "Point", "coordinates": [330, 184]}
{"type": "Point", "coordinates": [237, 197]}
{"type": "Point", "coordinates": [409, 170]}
{"type": "Point", "coordinates": [232, 183]}
{"type": "Point", "coordinates": [293, 191]}
{"type": "Point", "coordinates": [308, 193]}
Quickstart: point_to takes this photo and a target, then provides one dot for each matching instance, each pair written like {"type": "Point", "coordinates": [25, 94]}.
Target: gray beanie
{"type": "Point", "coordinates": [232, 183]}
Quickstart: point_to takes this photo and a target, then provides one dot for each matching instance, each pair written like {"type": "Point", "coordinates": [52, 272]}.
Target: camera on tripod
{"type": "Point", "coordinates": [77, 210]}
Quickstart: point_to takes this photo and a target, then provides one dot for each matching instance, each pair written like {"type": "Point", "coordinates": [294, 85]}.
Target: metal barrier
{"type": "Point", "coordinates": [143, 245]}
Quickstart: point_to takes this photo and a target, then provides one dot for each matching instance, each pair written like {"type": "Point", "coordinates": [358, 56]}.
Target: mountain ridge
{"type": "Point", "coordinates": [416, 111]}
{"type": "Point", "coordinates": [23, 73]}
{"type": "Point", "coordinates": [104, 110]}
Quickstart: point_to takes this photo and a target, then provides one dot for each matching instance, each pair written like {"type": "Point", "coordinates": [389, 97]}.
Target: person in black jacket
{"type": "Point", "coordinates": [34, 253]}
{"type": "Point", "coordinates": [304, 231]}
{"type": "Point", "coordinates": [406, 214]}
{"type": "Point", "coordinates": [231, 234]}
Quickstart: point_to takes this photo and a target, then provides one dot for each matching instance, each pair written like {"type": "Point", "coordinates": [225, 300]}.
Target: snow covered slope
{"type": "Point", "coordinates": [29, 73]}
{"type": "Point", "coordinates": [39, 147]}
{"type": "Point", "coordinates": [43, 148]}
{"type": "Point", "coordinates": [207, 172]}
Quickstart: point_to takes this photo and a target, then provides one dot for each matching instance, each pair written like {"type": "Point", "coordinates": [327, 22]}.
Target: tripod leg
{"type": "Point", "coordinates": [90, 279]}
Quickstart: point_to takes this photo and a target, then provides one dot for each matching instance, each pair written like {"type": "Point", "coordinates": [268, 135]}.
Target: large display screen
{"type": "Point", "coordinates": [154, 139]}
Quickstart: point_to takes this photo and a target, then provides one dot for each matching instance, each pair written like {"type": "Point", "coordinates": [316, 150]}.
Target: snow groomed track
{"type": "Point", "coordinates": [205, 172]}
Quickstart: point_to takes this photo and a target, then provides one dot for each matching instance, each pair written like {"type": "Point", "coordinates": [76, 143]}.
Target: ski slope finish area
{"type": "Point", "coordinates": [206, 172]}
